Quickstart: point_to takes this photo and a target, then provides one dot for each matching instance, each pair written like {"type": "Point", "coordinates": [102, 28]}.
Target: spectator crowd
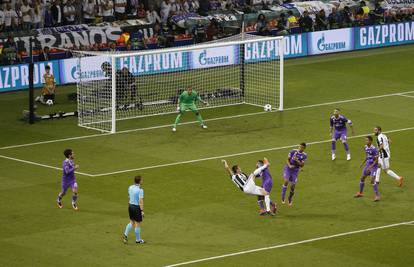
{"type": "Point", "coordinates": [17, 16]}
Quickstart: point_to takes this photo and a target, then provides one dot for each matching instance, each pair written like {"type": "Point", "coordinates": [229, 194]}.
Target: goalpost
{"type": "Point", "coordinates": [240, 70]}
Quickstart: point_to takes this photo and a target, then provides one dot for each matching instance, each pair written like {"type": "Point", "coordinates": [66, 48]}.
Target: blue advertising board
{"type": "Point", "coordinates": [294, 45]}
{"type": "Point", "coordinates": [155, 63]}
{"type": "Point", "coordinates": [384, 35]}
{"type": "Point", "coordinates": [16, 77]}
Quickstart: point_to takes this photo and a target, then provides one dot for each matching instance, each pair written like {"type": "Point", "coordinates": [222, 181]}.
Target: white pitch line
{"type": "Point", "coordinates": [207, 120]}
{"type": "Point", "coordinates": [41, 165]}
{"type": "Point", "coordinates": [290, 244]}
{"type": "Point", "coordinates": [236, 154]}
{"type": "Point", "coordinates": [349, 100]}
{"type": "Point", "coordinates": [404, 95]}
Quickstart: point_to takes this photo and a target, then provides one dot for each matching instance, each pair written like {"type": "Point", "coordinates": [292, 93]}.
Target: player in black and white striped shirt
{"type": "Point", "coordinates": [246, 183]}
{"type": "Point", "coordinates": [384, 156]}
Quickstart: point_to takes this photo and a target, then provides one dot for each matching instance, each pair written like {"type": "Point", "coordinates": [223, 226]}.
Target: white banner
{"type": "Point", "coordinates": [399, 3]}
{"type": "Point", "coordinates": [88, 69]}
{"type": "Point", "coordinates": [313, 7]}
{"type": "Point", "coordinates": [330, 41]}
{"type": "Point", "coordinates": [214, 57]}
{"type": "Point", "coordinates": [70, 36]}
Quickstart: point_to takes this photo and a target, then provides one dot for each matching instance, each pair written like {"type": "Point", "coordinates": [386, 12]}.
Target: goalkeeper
{"type": "Point", "coordinates": [187, 101]}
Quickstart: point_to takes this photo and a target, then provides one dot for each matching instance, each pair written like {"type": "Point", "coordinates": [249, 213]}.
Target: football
{"type": "Point", "coordinates": [49, 102]}
{"type": "Point", "coordinates": [268, 107]}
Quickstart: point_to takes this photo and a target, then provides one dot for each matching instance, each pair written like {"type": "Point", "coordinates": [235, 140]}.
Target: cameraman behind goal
{"type": "Point", "coordinates": [126, 88]}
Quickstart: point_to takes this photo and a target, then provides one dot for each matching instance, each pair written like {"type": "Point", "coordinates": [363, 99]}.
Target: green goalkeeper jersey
{"type": "Point", "coordinates": [188, 99]}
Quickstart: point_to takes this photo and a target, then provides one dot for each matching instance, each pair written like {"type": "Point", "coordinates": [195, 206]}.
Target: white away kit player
{"type": "Point", "coordinates": [246, 183]}
{"type": "Point", "coordinates": [384, 156]}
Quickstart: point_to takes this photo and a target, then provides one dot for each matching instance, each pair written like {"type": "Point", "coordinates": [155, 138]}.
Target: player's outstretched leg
{"type": "Point", "coordinates": [400, 179]}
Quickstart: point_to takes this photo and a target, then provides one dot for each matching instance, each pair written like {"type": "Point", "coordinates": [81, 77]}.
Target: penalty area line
{"type": "Point", "coordinates": [41, 165]}
{"type": "Point", "coordinates": [207, 120]}
{"type": "Point", "coordinates": [236, 154]}
{"type": "Point", "coordinates": [290, 244]}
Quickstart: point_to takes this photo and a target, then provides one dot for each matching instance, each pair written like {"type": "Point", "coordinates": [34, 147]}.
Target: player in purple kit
{"type": "Point", "coordinates": [338, 131]}
{"type": "Point", "coordinates": [295, 162]}
{"type": "Point", "coordinates": [371, 168]}
{"type": "Point", "coordinates": [69, 179]}
{"type": "Point", "coordinates": [267, 184]}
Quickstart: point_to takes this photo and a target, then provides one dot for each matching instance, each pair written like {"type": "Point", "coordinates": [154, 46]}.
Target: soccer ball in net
{"type": "Point", "coordinates": [268, 107]}
{"type": "Point", "coordinates": [49, 102]}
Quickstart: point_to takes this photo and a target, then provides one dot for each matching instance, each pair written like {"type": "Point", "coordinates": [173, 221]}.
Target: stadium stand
{"type": "Point", "coordinates": [155, 24]}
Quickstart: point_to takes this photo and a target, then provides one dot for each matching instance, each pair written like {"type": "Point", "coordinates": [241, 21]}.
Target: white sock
{"type": "Point", "coordinates": [377, 175]}
{"type": "Point", "coordinates": [267, 202]}
{"type": "Point", "coordinates": [393, 174]}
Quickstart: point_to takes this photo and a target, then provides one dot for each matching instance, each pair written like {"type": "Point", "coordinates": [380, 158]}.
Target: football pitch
{"type": "Point", "coordinates": [194, 214]}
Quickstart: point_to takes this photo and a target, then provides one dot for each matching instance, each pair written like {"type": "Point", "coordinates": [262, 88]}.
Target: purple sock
{"type": "Point", "coordinates": [74, 198]}
{"type": "Point", "coordinates": [361, 187]}
{"type": "Point", "coordinates": [261, 205]}
{"type": "Point", "coordinates": [333, 147]}
{"type": "Point", "coordinates": [346, 147]}
{"type": "Point", "coordinates": [291, 193]}
{"type": "Point", "coordinates": [375, 186]}
{"type": "Point", "coordinates": [284, 188]}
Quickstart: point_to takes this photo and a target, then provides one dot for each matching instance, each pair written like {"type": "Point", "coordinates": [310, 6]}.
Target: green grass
{"type": "Point", "coordinates": [192, 210]}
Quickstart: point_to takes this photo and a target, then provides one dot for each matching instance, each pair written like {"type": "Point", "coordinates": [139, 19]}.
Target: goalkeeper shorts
{"type": "Point", "coordinates": [185, 107]}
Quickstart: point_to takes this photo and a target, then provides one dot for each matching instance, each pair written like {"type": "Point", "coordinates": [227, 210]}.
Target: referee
{"type": "Point", "coordinates": [136, 210]}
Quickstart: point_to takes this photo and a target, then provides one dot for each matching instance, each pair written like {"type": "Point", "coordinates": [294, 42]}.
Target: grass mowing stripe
{"type": "Point", "coordinates": [41, 165]}
{"type": "Point", "coordinates": [236, 154]}
{"type": "Point", "coordinates": [292, 244]}
{"type": "Point", "coordinates": [194, 160]}
{"type": "Point", "coordinates": [213, 119]}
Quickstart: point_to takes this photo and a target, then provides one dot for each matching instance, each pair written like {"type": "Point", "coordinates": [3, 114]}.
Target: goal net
{"type": "Point", "coordinates": [241, 70]}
